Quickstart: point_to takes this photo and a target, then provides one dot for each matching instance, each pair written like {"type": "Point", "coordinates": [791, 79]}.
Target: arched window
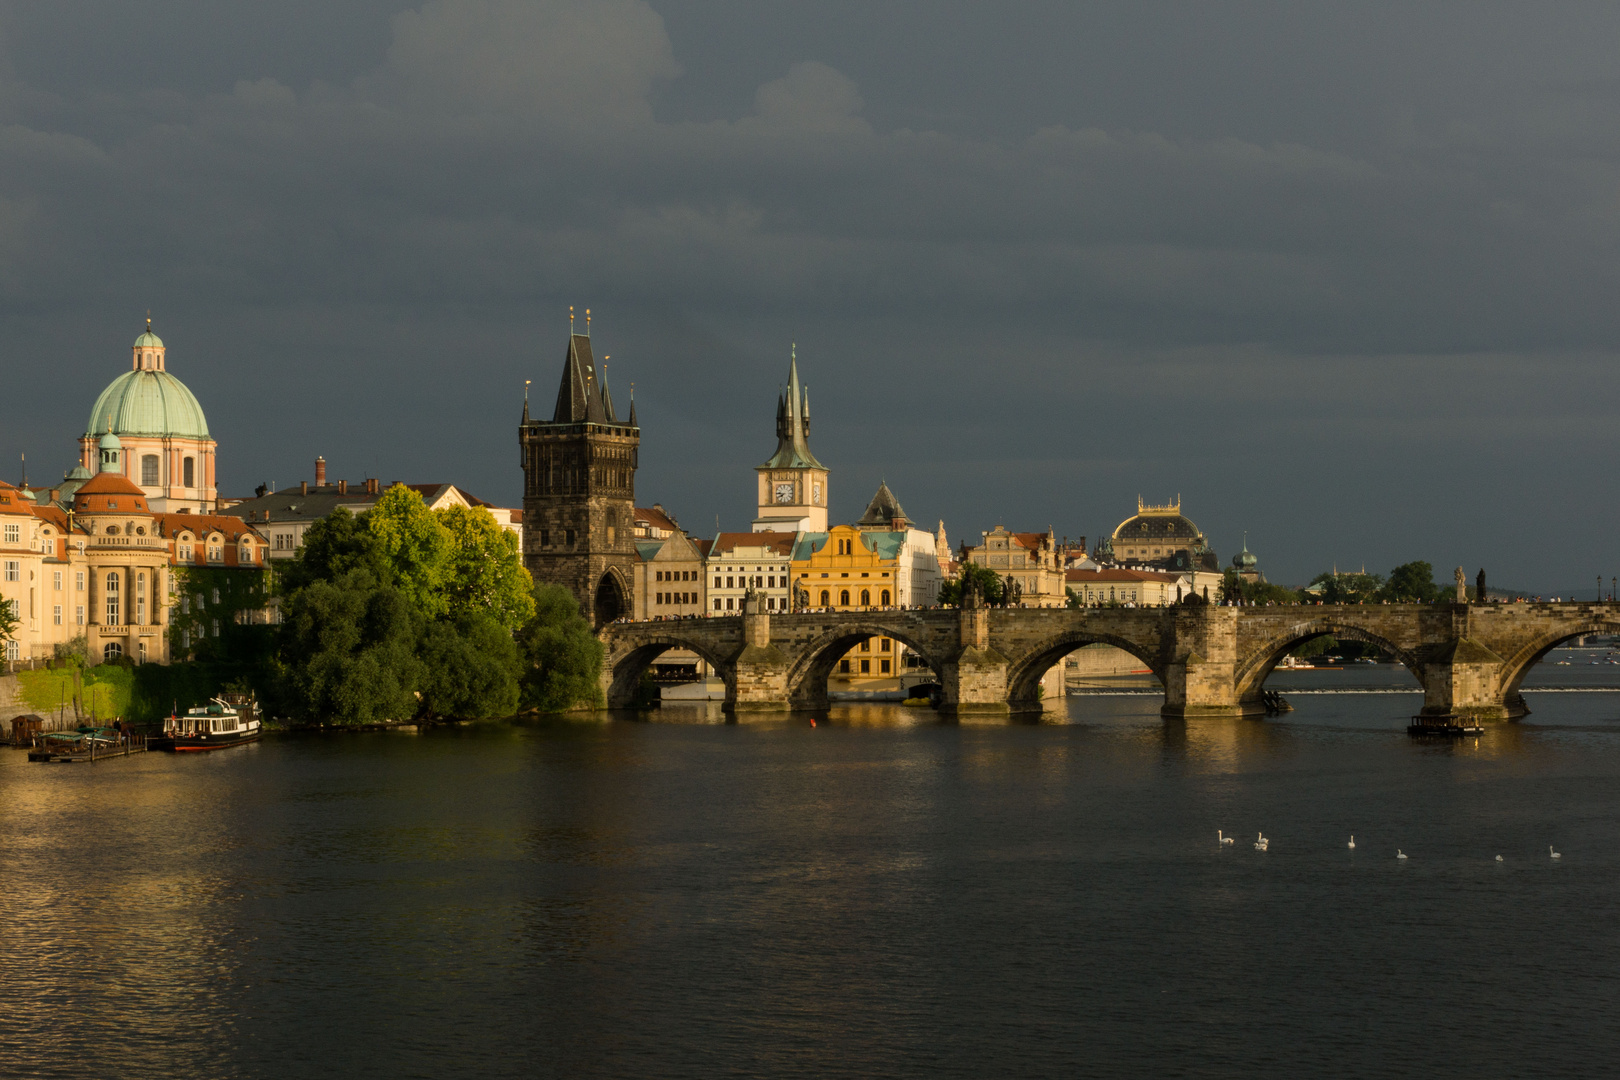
{"type": "Point", "coordinates": [113, 651]}
{"type": "Point", "coordinates": [843, 597]}
{"type": "Point", "coordinates": [826, 598]}
{"type": "Point", "coordinates": [885, 597]}
{"type": "Point", "coordinates": [866, 598]}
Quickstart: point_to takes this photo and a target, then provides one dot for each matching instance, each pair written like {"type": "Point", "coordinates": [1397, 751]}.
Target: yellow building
{"type": "Point", "coordinates": [850, 569]}
{"type": "Point", "coordinates": [846, 569]}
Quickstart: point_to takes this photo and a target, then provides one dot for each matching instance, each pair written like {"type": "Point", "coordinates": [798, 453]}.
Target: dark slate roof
{"type": "Point", "coordinates": [579, 397]}
{"type": "Point", "coordinates": [884, 510]}
{"type": "Point", "coordinates": [1157, 527]}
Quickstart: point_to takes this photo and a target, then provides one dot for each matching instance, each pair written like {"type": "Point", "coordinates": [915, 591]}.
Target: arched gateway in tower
{"type": "Point", "coordinates": [579, 490]}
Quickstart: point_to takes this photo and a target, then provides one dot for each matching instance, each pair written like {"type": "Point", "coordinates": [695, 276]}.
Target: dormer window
{"type": "Point", "coordinates": [112, 530]}
{"type": "Point", "coordinates": [112, 504]}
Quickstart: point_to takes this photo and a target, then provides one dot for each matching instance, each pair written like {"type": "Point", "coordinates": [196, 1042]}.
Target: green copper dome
{"type": "Point", "coordinates": [149, 340]}
{"type": "Point", "coordinates": [148, 403]}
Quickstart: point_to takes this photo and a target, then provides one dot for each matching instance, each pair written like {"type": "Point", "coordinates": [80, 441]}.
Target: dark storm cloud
{"type": "Point", "coordinates": [1344, 279]}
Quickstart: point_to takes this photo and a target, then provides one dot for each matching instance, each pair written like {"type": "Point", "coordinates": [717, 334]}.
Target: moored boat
{"type": "Point", "coordinates": [214, 726]}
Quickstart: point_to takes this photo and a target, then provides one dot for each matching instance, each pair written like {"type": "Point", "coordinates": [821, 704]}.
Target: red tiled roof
{"type": "Point", "coordinates": [234, 528]}
{"type": "Point", "coordinates": [1029, 540]}
{"type": "Point", "coordinates": [780, 543]}
{"type": "Point", "coordinates": [654, 517]}
{"type": "Point", "coordinates": [109, 483]}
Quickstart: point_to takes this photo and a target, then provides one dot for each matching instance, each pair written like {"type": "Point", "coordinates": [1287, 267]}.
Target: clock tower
{"type": "Point", "coordinates": [792, 484]}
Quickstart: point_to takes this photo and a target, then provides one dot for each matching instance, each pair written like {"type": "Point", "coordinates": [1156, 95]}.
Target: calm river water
{"type": "Point", "coordinates": [879, 895]}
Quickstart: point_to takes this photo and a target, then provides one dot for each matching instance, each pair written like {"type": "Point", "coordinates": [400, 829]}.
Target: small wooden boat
{"type": "Point", "coordinates": [214, 726]}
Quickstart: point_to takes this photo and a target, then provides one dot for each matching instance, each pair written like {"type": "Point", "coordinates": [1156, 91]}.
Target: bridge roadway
{"type": "Point", "coordinates": [1213, 661]}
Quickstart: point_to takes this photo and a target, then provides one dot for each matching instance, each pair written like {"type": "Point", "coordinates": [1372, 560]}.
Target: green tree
{"type": "Point", "coordinates": [1411, 583]}
{"type": "Point", "coordinates": [1349, 588]}
{"type": "Point", "coordinates": [416, 546]}
{"type": "Point", "coordinates": [470, 668]}
{"type": "Point", "coordinates": [8, 619]}
{"type": "Point", "coordinates": [207, 619]}
{"type": "Point", "coordinates": [1073, 599]}
{"type": "Point", "coordinates": [990, 585]}
{"type": "Point", "coordinates": [563, 659]}
{"type": "Point", "coordinates": [349, 651]}
{"type": "Point", "coordinates": [484, 572]}
{"type": "Point", "coordinates": [333, 546]}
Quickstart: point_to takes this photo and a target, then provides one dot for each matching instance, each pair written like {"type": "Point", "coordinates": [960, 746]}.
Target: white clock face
{"type": "Point", "coordinates": [784, 493]}
{"type": "Point", "coordinates": [816, 496]}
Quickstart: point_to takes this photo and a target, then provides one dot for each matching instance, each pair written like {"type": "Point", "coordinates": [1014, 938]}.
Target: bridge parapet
{"type": "Point", "coordinates": [1213, 661]}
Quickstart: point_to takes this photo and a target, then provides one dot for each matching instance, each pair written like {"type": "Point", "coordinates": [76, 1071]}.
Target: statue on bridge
{"type": "Point", "coordinates": [1479, 586]}
{"type": "Point", "coordinates": [1462, 586]}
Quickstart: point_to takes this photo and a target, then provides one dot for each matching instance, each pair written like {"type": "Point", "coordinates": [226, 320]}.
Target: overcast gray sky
{"type": "Point", "coordinates": [1341, 276]}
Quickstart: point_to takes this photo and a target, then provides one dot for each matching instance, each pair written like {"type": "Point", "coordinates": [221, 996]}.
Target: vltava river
{"type": "Point", "coordinates": [878, 895]}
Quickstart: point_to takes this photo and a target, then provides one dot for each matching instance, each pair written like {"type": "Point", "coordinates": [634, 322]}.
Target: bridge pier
{"type": "Point", "coordinates": [1201, 678]}
{"type": "Point", "coordinates": [975, 679]}
{"type": "Point", "coordinates": [1462, 680]}
{"type": "Point", "coordinates": [761, 668]}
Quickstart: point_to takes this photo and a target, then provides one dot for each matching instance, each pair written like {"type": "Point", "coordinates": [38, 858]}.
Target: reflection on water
{"type": "Point", "coordinates": [884, 893]}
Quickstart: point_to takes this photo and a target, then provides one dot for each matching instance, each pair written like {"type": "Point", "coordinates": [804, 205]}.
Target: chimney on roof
{"type": "Point", "coordinates": [320, 471]}
{"type": "Point", "coordinates": [303, 487]}
{"type": "Point", "coordinates": [371, 485]}
{"type": "Point", "coordinates": [343, 487]}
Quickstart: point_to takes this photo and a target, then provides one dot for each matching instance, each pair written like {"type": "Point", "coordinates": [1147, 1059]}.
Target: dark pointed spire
{"type": "Point", "coordinates": [526, 383]}
{"type": "Point", "coordinates": [607, 395]}
{"type": "Point", "coordinates": [793, 425]}
{"type": "Point", "coordinates": [633, 422]}
{"type": "Point", "coordinates": [578, 398]}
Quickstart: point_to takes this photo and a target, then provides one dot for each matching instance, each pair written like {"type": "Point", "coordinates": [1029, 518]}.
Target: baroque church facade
{"type": "Point", "coordinates": [579, 490]}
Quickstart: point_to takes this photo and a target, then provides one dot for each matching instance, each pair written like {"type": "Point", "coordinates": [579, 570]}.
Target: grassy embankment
{"type": "Point", "coordinates": [104, 692]}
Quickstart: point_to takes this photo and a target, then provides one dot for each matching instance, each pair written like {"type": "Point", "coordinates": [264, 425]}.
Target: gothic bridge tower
{"type": "Point", "coordinates": [579, 490]}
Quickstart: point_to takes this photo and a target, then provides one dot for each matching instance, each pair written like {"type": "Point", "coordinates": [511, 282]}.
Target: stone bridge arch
{"type": "Point", "coordinates": [626, 661]}
{"type": "Point", "coordinates": [1518, 665]}
{"type": "Point", "coordinates": [1025, 671]}
{"type": "Point", "coordinates": [1253, 669]}
{"type": "Point", "coordinates": [814, 659]}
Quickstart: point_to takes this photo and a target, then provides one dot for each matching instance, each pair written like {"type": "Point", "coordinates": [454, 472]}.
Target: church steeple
{"type": "Point", "coordinates": [579, 397]}
{"type": "Point", "coordinates": [792, 484]}
{"type": "Point", "coordinates": [793, 424]}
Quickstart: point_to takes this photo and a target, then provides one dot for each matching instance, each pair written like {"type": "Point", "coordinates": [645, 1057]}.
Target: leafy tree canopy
{"type": "Point", "coordinates": [416, 546]}
{"type": "Point", "coordinates": [470, 668]}
{"type": "Point", "coordinates": [333, 546]}
{"type": "Point", "coordinates": [1349, 588]}
{"type": "Point", "coordinates": [349, 651]}
{"type": "Point", "coordinates": [484, 572]}
{"type": "Point", "coordinates": [991, 587]}
{"type": "Point", "coordinates": [563, 658]}
{"type": "Point", "coordinates": [1411, 583]}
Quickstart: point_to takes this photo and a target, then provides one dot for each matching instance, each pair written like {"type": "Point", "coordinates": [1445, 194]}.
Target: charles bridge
{"type": "Point", "coordinates": [1213, 661]}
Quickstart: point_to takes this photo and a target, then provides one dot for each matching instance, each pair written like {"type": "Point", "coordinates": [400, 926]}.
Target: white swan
{"type": "Point", "coordinates": [1223, 838]}
{"type": "Point", "coordinates": [1261, 844]}
{"type": "Point", "coordinates": [1352, 844]}
{"type": "Point", "coordinates": [1499, 858]}
{"type": "Point", "coordinates": [1554, 854]}
{"type": "Point", "coordinates": [1399, 854]}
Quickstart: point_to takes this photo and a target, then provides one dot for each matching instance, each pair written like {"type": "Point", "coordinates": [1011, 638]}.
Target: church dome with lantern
{"type": "Point", "coordinates": [159, 424]}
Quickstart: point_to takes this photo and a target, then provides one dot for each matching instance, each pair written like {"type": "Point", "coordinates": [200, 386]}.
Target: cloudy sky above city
{"type": "Point", "coordinates": [1343, 277]}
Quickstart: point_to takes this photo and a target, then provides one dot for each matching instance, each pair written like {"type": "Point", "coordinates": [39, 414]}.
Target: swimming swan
{"type": "Point", "coordinates": [1352, 844]}
{"type": "Point", "coordinates": [1219, 836]}
{"type": "Point", "coordinates": [1554, 854]}
{"type": "Point", "coordinates": [1499, 858]}
{"type": "Point", "coordinates": [1262, 844]}
{"type": "Point", "coordinates": [1399, 854]}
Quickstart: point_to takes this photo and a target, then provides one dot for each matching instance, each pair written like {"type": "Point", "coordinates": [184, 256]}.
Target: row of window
{"type": "Point", "coordinates": [845, 668]}
{"type": "Point", "coordinates": [676, 575]}
{"type": "Point", "coordinates": [149, 471]}
{"type": "Point", "coordinates": [676, 598]}
{"type": "Point", "coordinates": [78, 615]}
